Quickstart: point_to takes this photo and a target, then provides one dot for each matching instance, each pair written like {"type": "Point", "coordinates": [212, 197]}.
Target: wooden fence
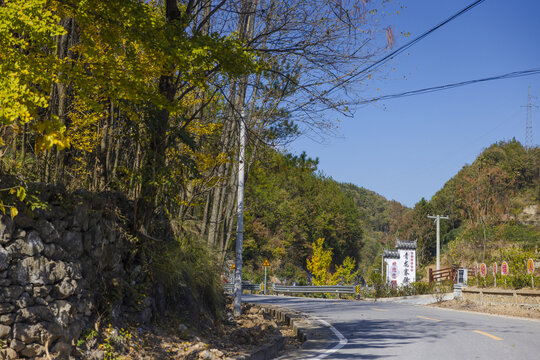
{"type": "Point", "coordinates": [449, 273]}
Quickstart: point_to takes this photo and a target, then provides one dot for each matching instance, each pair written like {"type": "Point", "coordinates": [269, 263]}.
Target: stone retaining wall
{"type": "Point", "coordinates": [529, 298]}
{"type": "Point", "coordinates": [55, 265]}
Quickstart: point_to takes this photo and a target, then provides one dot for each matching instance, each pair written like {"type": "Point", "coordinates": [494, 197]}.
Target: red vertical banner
{"type": "Point", "coordinates": [504, 268]}
{"type": "Point", "coordinates": [483, 270]}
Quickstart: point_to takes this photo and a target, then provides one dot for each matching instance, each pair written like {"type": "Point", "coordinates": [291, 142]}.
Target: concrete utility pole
{"type": "Point", "coordinates": [438, 221]}
{"type": "Point", "coordinates": [240, 220]}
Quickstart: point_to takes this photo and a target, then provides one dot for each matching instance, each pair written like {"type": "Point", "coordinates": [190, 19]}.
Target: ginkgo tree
{"type": "Point", "coordinates": [27, 71]}
{"type": "Point", "coordinates": [319, 266]}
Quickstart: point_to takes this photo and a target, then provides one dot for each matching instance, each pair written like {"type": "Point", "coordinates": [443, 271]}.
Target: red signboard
{"type": "Point", "coordinates": [530, 266]}
{"type": "Point", "coordinates": [504, 268]}
{"type": "Point", "coordinates": [494, 269]}
{"type": "Point", "coordinates": [475, 269]}
{"type": "Point", "coordinates": [483, 269]}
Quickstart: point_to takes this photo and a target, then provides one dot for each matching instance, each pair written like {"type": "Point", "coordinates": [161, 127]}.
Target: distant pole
{"type": "Point", "coordinates": [240, 219]}
{"type": "Point", "coordinates": [382, 267]}
{"type": "Point", "coordinates": [265, 280]}
{"type": "Point", "coordinates": [438, 221]}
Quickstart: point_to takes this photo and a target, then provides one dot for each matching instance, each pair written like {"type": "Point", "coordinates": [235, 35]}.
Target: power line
{"type": "Point", "coordinates": [399, 50]}
{"type": "Point", "coordinates": [417, 39]}
{"type": "Point", "coordinates": [454, 85]}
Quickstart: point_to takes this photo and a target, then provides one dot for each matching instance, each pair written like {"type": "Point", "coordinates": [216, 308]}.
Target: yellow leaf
{"type": "Point", "coordinates": [14, 212]}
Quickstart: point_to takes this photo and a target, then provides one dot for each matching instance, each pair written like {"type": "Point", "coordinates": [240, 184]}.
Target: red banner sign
{"type": "Point", "coordinates": [504, 268]}
{"type": "Point", "coordinates": [483, 269]}
{"type": "Point", "coordinates": [530, 266]}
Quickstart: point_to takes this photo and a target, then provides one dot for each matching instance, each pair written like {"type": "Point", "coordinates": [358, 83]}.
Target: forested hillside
{"type": "Point", "coordinates": [485, 202]}
{"type": "Point", "coordinates": [289, 205]}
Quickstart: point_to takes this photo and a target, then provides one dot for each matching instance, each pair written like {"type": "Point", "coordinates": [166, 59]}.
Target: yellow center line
{"type": "Point", "coordinates": [488, 335]}
{"type": "Point", "coordinates": [378, 309]}
{"type": "Point", "coordinates": [428, 318]}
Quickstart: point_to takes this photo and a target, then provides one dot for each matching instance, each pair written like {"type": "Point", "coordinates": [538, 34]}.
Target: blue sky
{"type": "Point", "coordinates": [407, 148]}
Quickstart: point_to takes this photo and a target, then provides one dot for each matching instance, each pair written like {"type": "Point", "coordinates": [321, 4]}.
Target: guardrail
{"type": "Point", "coordinates": [502, 296]}
{"type": "Point", "coordinates": [245, 286]}
{"type": "Point", "coordinates": [326, 289]}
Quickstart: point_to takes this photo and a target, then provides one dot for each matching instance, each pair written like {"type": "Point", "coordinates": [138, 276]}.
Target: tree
{"type": "Point", "coordinates": [345, 273]}
{"type": "Point", "coordinates": [319, 264]}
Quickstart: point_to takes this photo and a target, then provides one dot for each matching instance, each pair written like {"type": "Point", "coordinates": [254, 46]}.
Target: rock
{"type": "Point", "coordinates": [66, 288]}
{"type": "Point", "coordinates": [55, 252]}
{"type": "Point", "coordinates": [8, 354]}
{"type": "Point", "coordinates": [4, 258]}
{"type": "Point", "coordinates": [24, 301]}
{"type": "Point", "coordinates": [96, 355]}
{"type": "Point", "coordinates": [7, 319]}
{"type": "Point", "coordinates": [4, 331]}
{"type": "Point", "coordinates": [60, 225]}
{"type": "Point", "coordinates": [62, 311]}
{"type": "Point", "coordinates": [72, 243]}
{"type": "Point", "coordinates": [41, 291]}
{"type": "Point", "coordinates": [47, 231]}
{"type": "Point", "coordinates": [6, 308]}
{"type": "Point", "coordinates": [27, 333]}
{"type": "Point", "coordinates": [80, 218]}
{"type": "Point", "coordinates": [30, 246]}
{"type": "Point", "coordinates": [33, 350]}
{"type": "Point", "coordinates": [61, 350]}
{"type": "Point", "coordinates": [13, 292]}
{"type": "Point", "coordinates": [24, 222]}
{"type": "Point", "coordinates": [35, 314]}
{"type": "Point", "coordinates": [16, 345]}
{"type": "Point", "coordinates": [6, 229]}
{"type": "Point", "coordinates": [33, 270]}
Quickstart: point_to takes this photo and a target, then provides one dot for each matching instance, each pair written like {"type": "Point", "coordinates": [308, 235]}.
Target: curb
{"type": "Point", "coordinates": [446, 296]}
{"type": "Point", "coordinates": [312, 335]}
{"type": "Point", "coordinates": [272, 351]}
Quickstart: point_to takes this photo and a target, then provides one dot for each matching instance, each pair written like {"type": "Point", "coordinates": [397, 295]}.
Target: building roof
{"type": "Point", "coordinates": [406, 245]}
{"type": "Point", "coordinates": [390, 254]}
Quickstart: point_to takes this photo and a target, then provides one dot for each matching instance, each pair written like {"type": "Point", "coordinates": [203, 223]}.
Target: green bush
{"type": "Point", "coordinates": [421, 288]}
{"type": "Point", "coordinates": [185, 268]}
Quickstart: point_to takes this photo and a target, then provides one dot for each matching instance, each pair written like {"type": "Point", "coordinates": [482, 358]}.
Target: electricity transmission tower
{"type": "Point", "coordinates": [529, 140]}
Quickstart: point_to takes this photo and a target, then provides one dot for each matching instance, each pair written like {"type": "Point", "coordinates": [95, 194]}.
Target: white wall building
{"type": "Point", "coordinates": [400, 264]}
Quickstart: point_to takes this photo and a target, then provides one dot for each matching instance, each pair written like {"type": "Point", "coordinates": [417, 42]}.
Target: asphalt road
{"type": "Point", "coordinates": [385, 330]}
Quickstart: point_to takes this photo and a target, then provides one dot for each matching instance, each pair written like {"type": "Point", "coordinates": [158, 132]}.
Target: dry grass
{"type": "Point", "coordinates": [524, 311]}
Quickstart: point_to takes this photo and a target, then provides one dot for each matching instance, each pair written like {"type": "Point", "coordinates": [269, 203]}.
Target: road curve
{"type": "Point", "coordinates": [377, 330]}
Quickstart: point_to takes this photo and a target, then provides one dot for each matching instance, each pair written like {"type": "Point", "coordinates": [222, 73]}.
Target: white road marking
{"type": "Point", "coordinates": [342, 339]}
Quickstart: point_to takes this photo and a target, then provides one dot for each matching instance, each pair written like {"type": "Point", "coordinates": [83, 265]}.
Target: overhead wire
{"type": "Point", "coordinates": [420, 37]}
{"type": "Point", "coordinates": [399, 50]}
{"type": "Point", "coordinates": [510, 75]}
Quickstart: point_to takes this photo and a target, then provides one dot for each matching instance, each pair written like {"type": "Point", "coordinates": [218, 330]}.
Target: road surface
{"type": "Point", "coordinates": [385, 330]}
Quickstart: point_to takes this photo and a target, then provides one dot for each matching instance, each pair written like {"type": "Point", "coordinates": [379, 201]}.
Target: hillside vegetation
{"type": "Point", "coordinates": [485, 202]}
{"type": "Point", "coordinates": [290, 205]}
